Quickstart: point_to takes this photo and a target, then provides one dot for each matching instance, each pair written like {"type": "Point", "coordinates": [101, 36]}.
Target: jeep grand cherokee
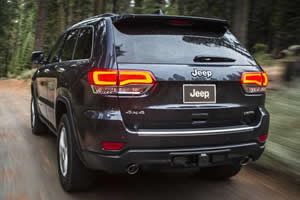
{"type": "Point", "coordinates": [130, 92]}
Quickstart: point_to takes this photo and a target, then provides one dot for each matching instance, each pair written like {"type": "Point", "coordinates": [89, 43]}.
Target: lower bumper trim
{"type": "Point", "coordinates": [162, 158]}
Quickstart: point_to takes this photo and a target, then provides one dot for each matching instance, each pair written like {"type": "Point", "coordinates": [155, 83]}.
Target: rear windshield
{"type": "Point", "coordinates": [177, 42]}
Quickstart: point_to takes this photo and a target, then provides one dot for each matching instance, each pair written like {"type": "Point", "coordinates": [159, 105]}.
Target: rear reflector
{"type": "Point", "coordinates": [263, 138]}
{"type": "Point", "coordinates": [254, 82]}
{"type": "Point", "coordinates": [124, 82]}
{"type": "Point", "coordinates": [112, 145]}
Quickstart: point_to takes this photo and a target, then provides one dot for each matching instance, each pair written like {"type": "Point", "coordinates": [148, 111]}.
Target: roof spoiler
{"type": "Point", "coordinates": [120, 18]}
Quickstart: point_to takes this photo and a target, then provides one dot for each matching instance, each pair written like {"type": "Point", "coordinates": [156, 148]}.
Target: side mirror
{"type": "Point", "coordinates": [37, 57]}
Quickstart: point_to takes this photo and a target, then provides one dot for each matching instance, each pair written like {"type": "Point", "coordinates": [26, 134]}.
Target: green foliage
{"type": "Point", "coordinates": [264, 59]}
{"type": "Point", "coordinates": [24, 38]}
{"type": "Point", "coordinates": [261, 48]}
{"type": "Point", "coordinates": [26, 74]}
{"type": "Point", "coordinates": [209, 8]}
{"type": "Point", "coordinates": [273, 24]}
{"type": "Point", "coordinates": [262, 56]}
{"type": "Point", "coordinates": [8, 16]}
{"type": "Point", "coordinates": [151, 6]}
{"type": "Point", "coordinates": [284, 138]}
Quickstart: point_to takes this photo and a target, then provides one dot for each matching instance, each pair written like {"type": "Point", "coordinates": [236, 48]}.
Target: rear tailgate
{"type": "Point", "coordinates": [185, 57]}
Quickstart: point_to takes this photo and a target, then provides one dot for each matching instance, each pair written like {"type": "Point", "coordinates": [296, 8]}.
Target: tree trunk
{"type": "Point", "coordinates": [60, 18]}
{"type": "Point", "coordinates": [76, 11]}
{"type": "Point", "coordinates": [240, 20]}
{"type": "Point", "coordinates": [6, 63]}
{"type": "Point", "coordinates": [138, 7]}
{"type": "Point", "coordinates": [97, 7]}
{"type": "Point", "coordinates": [115, 8]}
{"type": "Point", "coordinates": [69, 12]}
{"type": "Point", "coordinates": [103, 9]}
{"type": "Point", "coordinates": [180, 7]}
{"type": "Point", "coordinates": [40, 25]}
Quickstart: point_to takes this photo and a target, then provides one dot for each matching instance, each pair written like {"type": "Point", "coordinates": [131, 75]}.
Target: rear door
{"type": "Point", "coordinates": [64, 62]}
{"type": "Point", "coordinates": [53, 61]}
{"type": "Point", "coordinates": [44, 78]}
{"type": "Point", "coordinates": [197, 67]}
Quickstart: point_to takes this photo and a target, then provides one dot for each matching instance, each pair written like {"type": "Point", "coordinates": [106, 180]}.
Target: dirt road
{"type": "Point", "coordinates": [28, 168]}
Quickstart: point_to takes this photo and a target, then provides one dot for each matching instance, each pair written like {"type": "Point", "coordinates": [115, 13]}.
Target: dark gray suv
{"type": "Point", "coordinates": [130, 92]}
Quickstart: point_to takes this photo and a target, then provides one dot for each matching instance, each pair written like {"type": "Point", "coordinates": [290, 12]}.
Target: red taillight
{"type": "Point", "coordinates": [112, 146]}
{"type": "Point", "coordinates": [265, 79]}
{"type": "Point", "coordinates": [254, 82]}
{"type": "Point", "coordinates": [135, 77]}
{"type": "Point", "coordinates": [125, 82]}
{"type": "Point", "coordinates": [103, 77]}
{"type": "Point", "coordinates": [263, 137]}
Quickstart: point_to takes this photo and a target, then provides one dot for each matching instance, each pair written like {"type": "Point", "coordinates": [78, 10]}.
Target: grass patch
{"type": "Point", "coordinates": [265, 59]}
{"type": "Point", "coordinates": [27, 74]}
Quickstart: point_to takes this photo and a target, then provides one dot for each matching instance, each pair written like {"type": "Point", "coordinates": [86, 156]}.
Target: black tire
{"type": "Point", "coordinates": [221, 172]}
{"type": "Point", "coordinates": [37, 126]}
{"type": "Point", "coordinates": [76, 177]}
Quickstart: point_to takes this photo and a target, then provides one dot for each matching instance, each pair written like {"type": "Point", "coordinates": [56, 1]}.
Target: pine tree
{"type": "Point", "coordinates": [240, 20]}
{"type": "Point", "coordinates": [40, 24]}
{"type": "Point", "coordinates": [138, 7]}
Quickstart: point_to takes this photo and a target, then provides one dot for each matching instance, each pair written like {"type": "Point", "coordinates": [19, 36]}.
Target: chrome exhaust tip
{"type": "Point", "coordinates": [245, 161]}
{"type": "Point", "coordinates": [133, 169]}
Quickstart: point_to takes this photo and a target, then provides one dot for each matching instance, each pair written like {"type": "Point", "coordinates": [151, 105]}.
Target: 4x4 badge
{"type": "Point", "coordinates": [202, 73]}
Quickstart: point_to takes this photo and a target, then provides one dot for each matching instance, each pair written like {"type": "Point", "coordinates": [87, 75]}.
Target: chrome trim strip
{"type": "Point", "coordinates": [193, 132]}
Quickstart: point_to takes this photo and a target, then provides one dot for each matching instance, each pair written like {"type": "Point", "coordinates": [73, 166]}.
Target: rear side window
{"type": "Point", "coordinates": [177, 42]}
{"type": "Point", "coordinates": [69, 45]}
{"type": "Point", "coordinates": [55, 53]}
{"type": "Point", "coordinates": [84, 44]}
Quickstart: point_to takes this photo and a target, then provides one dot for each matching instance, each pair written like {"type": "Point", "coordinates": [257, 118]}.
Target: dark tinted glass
{"type": "Point", "coordinates": [178, 44]}
{"type": "Point", "coordinates": [56, 51]}
{"type": "Point", "coordinates": [69, 46]}
{"type": "Point", "coordinates": [84, 44]}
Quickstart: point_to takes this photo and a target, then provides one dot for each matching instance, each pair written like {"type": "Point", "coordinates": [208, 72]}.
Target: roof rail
{"type": "Point", "coordinates": [159, 12]}
{"type": "Point", "coordinates": [107, 15]}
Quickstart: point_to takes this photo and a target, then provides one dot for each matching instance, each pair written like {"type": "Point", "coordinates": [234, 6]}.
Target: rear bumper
{"type": "Point", "coordinates": [149, 149]}
{"type": "Point", "coordinates": [164, 158]}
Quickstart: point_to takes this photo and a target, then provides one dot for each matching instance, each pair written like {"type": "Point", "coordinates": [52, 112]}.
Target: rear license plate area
{"type": "Point", "coordinates": [199, 93]}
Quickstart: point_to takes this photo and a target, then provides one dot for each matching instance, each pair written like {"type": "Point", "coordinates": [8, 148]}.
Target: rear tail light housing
{"type": "Point", "coordinates": [121, 82]}
{"type": "Point", "coordinates": [254, 82]}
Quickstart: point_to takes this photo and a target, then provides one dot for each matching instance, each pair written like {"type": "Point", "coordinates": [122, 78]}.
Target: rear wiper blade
{"type": "Point", "coordinates": [212, 59]}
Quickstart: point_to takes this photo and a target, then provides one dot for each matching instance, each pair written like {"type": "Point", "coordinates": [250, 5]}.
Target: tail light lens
{"type": "Point", "coordinates": [254, 82]}
{"type": "Point", "coordinates": [122, 82]}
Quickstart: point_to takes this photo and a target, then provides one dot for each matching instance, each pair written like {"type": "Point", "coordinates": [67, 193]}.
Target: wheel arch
{"type": "Point", "coordinates": [60, 109]}
{"type": "Point", "coordinates": [64, 106]}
